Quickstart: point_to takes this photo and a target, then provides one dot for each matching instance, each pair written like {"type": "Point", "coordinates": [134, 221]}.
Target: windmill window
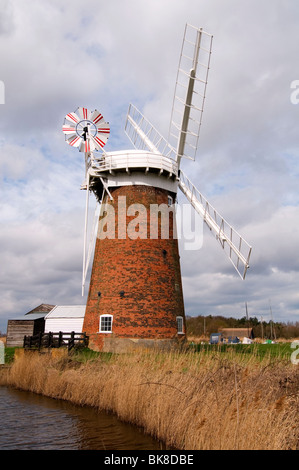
{"type": "Point", "coordinates": [106, 323]}
{"type": "Point", "coordinates": [180, 325]}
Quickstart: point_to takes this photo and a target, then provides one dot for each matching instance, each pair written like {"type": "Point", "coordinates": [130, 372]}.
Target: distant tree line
{"type": "Point", "coordinates": [206, 325]}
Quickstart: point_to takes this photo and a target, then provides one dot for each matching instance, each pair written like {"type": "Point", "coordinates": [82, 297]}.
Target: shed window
{"type": "Point", "coordinates": [106, 323]}
{"type": "Point", "coordinates": [180, 324]}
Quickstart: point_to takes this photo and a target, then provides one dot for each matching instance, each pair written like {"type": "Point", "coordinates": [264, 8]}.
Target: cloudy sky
{"type": "Point", "coordinates": [55, 56]}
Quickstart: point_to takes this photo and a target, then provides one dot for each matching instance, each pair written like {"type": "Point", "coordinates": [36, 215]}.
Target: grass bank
{"type": "Point", "coordinates": [276, 351]}
{"type": "Point", "coordinates": [189, 400]}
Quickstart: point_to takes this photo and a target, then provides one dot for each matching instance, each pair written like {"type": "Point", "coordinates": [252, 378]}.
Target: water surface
{"type": "Point", "coordinates": [33, 422]}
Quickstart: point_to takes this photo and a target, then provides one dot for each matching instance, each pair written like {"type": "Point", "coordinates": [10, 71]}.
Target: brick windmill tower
{"type": "Point", "coordinates": [135, 295]}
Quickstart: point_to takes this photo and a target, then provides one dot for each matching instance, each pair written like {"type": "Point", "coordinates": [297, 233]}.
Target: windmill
{"type": "Point", "coordinates": [135, 294]}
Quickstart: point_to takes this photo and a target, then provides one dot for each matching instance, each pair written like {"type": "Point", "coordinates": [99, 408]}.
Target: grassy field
{"type": "Point", "coordinates": [9, 355]}
{"type": "Point", "coordinates": [277, 351]}
{"type": "Point", "coordinates": [258, 350]}
{"type": "Point", "coordinates": [191, 400]}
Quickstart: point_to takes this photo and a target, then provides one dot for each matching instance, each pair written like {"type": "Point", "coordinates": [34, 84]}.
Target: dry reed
{"type": "Point", "coordinates": [190, 401]}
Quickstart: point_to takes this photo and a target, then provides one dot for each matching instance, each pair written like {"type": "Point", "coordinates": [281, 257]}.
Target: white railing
{"type": "Point", "coordinates": [132, 159]}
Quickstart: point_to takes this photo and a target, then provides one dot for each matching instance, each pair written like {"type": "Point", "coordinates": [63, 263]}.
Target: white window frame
{"type": "Point", "coordinates": [102, 318]}
{"type": "Point", "coordinates": [180, 325]}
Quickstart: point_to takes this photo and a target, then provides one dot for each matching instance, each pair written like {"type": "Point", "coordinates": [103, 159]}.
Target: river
{"type": "Point", "coordinates": [33, 422]}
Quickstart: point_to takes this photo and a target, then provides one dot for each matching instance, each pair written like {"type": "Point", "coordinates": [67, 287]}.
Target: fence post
{"type": "Point", "coordinates": [49, 339]}
{"type": "Point", "coordinates": [71, 341]}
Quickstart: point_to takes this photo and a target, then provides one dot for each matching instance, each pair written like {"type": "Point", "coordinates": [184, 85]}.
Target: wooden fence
{"type": "Point", "coordinates": [55, 340]}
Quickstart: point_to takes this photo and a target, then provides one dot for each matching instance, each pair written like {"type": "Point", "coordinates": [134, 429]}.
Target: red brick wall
{"type": "Point", "coordinates": [146, 270]}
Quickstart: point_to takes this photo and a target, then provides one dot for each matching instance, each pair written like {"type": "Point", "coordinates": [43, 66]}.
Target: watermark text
{"type": "Point", "coordinates": [158, 221]}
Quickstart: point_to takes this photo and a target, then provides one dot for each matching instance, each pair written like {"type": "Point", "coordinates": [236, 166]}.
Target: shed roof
{"type": "Point", "coordinates": [43, 308]}
{"type": "Point", "coordinates": [67, 311]}
{"type": "Point", "coordinates": [30, 316]}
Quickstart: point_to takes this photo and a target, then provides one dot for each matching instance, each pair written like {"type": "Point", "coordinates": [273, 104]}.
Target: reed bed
{"type": "Point", "coordinates": [188, 400]}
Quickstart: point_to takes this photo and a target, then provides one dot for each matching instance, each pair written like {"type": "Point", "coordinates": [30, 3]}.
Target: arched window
{"type": "Point", "coordinates": [106, 323]}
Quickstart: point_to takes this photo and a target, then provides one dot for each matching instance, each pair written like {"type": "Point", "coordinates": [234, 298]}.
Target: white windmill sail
{"type": "Point", "coordinates": [144, 136]}
{"type": "Point", "coordinates": [190, 92]}
{"type": "Point", "coordinates": [237, 249]}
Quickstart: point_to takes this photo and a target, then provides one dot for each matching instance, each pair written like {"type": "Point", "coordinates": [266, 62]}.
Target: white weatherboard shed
{"type": "Point", "coordinates": [65, 318]}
